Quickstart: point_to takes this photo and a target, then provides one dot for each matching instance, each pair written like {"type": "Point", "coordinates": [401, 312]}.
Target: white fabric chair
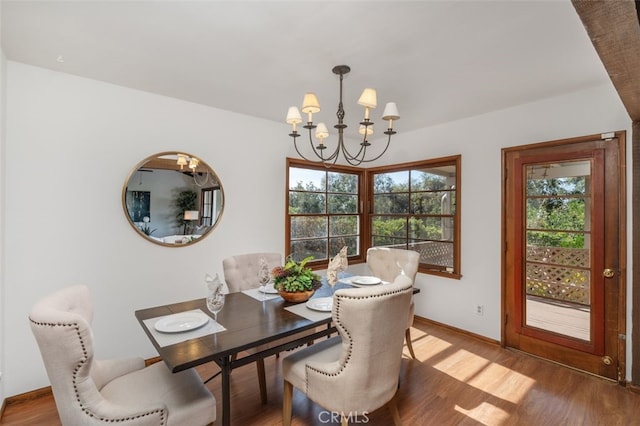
{"type": "Point", "coordinates": [123, 391]}
{"type": "Point", "coordinates": [387, 263]}
{"type": "Point", "coordinates": [241, 273]}
{"type": "Point", "coordinates": [358, 370]}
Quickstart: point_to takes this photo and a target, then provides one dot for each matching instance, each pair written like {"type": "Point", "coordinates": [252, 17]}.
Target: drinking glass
{"type": "Point", "coordinates": [264, 276]}
{"type": "Point", "coordinates": [215, 302]}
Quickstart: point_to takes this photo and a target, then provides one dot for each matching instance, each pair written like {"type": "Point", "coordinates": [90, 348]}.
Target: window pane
{"type": "Point", "coordinates": [336, 244]}
{"type": "Point", "coordinates": [343, 182]}
{"type": "Point", "coordinates": [389, 226]}
{"type": "Point", "coordinates": [343, 225]}
{"type": "Point", "coordinates": [391, 182]}
{"type": "Point", "coordinates": [440, 202]}
{"type": "Point", "coordinates": [389, 242]}
{"type": "Point", "coordinates": [343, 203]}
{"type": "Point", "coordinates": [571, 178]}
{"type": "Point", "coordinates": [432, 179]}
{"type": "Point", "coordinates": [564, 214]}
{"type": "Point", "coordinates": [303, 248]}
{"type": "Point", "coordinates": [555, 239]}
{"type": "Point", "coordinates": [308, 227]}
{"type": "Point", "coordinates": [431, 228]}
{"type": "Point", "coordinates": [307, 179]}
{"type": "Point", "coordinates": [306, 202]}
{"type": "Point", "coordinates": [434, 253]}
{"type": "Point", "coordinates": [391, 203]}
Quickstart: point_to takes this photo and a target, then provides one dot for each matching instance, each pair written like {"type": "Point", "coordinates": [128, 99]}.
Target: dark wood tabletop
{"type": "Point", "coordinates": [249, 323]}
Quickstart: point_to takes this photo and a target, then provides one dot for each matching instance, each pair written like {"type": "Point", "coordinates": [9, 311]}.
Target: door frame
{"type": "Point", "coordinates": [622, 237]}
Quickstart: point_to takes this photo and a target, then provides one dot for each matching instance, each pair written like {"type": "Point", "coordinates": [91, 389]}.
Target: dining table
{"type": "Point", "coordinates": [249, 319]}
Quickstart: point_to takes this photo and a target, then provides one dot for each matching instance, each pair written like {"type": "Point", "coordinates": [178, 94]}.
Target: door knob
{"type": "Point", "coordinates": [606, 360]}
{"type": "Point", "coordinates": [608, 273]}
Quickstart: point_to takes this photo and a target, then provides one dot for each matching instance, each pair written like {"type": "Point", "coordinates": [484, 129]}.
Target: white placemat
{"type": "Point", "coordinates": [166, 339]}
{"type": "Point", "coordinates": [258, 295]}
{"type": "Point", "coordinates": [302, 310]}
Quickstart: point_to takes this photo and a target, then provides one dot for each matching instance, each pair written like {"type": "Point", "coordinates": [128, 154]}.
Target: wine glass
{"type": "Point", "coordinates": [215, 301]}
{"type": "Point", "coordinates": [264, 276]}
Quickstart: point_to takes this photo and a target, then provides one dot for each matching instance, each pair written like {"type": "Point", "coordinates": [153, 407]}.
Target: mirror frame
{"type": "Point", "coordinates": [141, 165]}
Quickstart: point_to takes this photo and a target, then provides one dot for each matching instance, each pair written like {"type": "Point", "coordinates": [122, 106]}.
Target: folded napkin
{"type": "Point", "coordinates": [338, 264]}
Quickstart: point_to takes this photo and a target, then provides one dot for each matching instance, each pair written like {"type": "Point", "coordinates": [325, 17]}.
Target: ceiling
{"type": "Point", "coordinates": [439, 61]}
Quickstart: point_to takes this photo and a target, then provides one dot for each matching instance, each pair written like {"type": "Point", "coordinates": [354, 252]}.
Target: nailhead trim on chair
{"type": "Point", "coordinates": [77, 369]}
{"type": "Point", "coordinates": [345, 296]}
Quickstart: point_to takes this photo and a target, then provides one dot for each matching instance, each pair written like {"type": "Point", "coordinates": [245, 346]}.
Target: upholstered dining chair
{"type": "Point", "coordinates": [88, 391]}
{"type": "Point", "coordinates": [358, 370]}
{"type": "Point", "coordinates": [387, 263]}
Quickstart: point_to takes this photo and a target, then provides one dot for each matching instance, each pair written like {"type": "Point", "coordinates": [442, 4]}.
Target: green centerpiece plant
{"type": "Point", "coordinates": [296, 277]}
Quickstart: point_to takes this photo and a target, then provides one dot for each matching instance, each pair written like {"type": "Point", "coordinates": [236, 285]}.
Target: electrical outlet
{"type": "Point", "coordinates": [479, 310]}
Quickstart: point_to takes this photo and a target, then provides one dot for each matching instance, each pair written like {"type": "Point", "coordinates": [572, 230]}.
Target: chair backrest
{"type": "Point", "coordinates": [241, 271]}
{"type": "Point", "coordinates": [387, 263]}
{"type": "Point", "coordinates": [371, 322]}
{"type": "Point", "coordinates": [61, 324]}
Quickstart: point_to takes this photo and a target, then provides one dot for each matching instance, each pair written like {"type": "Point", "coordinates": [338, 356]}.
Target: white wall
{"type": "Point", "coordinates": [71, 143]}
{"type": "Point", "coordinates": [80, 138]}
{"type": "Point", "coordinates": [480, 140]}
{"type": "Point", "coordinates": [3, 81]}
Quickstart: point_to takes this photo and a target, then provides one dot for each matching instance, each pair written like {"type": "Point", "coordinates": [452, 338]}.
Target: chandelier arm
{"type": "Point", "coordinates": [195, 179]}
{"type": "Point", "coordinates": [379, 155]}
{"type": "Point", "coordinates": [320, 156]}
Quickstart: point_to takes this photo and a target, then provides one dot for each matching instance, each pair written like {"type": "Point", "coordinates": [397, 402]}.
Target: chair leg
{"type": "Point", "coordinates": [407, 337]}
{"type": "Point", "coordinates": [287, 397]}
{"type": "Point", "coordinates": [393, 407]}
{"type": "Point", "coordinates": [262, 381]}
{"type": "Point", "coordinates": [344, 420]}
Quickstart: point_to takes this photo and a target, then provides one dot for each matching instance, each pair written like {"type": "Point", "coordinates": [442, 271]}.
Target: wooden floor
{"type": "Point", "coordinates": [456, 380]}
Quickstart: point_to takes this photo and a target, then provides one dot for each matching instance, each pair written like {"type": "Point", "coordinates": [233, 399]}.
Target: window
{"type": "Point", "coordinates": [323, 213]}
{"type": "Point", "coordinates": [416, 206]}
{"type": "Point", "coordinates": [210, 202]}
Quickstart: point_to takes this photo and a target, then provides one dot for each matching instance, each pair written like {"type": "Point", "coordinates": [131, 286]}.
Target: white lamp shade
{"type": "Point", "coordinates": [368, 129]}
{"type": "Point", "coordinates": [193, 164]}
{"type": "Point", "coordinates": [322, 131]}
{"type": "Point", "coordinates": [293, 116]}
{"type": "Point", "coordinates": [310, 103]}
{"type": "Point", "coordinates": [191, 214]}
{"type": "Point", "coordinates": [182, 160]}
{"type": "Point", "coordinates": [391, 112]}
{"type": "Point", "coordinates": [368, 98]}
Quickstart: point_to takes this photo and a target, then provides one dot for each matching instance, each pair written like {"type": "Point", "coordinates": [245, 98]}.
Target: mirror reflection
{"type": "Point", "coordinates": [173, 199]}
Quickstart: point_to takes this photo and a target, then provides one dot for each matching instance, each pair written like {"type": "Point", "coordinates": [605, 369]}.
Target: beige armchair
{"type": "Point", "coordinates": [357, 371]}
{"type": "Point", "coordinates": [387, 263]}
{"type": "Point", "coordinates": [241, 273]}
{"type": "Point", "coordinates": [123, 391]}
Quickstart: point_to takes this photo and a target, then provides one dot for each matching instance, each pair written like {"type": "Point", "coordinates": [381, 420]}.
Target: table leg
{"type": "Point", "coordinates": [225, 367]}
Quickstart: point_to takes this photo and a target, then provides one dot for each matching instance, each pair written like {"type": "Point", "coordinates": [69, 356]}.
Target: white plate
{"type": "Point", "coordinates": [181, 322]}
{"type": "Point", "coordinates": [268, 289]}
{"type": "Point", "coordinates": [323, 304]}
{"type": "Point", "coordinates": [366, 280]}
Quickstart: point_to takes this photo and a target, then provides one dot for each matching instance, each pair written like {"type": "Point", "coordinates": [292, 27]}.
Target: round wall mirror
{"type": "Point", "coordinates": [173, 199]}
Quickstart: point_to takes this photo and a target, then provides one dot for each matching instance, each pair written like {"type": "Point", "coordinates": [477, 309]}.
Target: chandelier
{"type": "Point", "coordinates": [193, 163]}
{"type": "Point", "coordinates": [310, 106]}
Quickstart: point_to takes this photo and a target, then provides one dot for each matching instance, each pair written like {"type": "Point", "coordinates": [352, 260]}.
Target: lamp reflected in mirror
{"type": "Point", "coordinates": [170, 204]}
